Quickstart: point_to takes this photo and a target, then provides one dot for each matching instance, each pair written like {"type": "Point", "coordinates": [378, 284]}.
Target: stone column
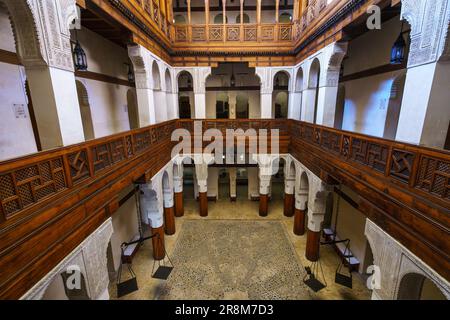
{"type": "Point", "coordinates": [142, 63]}
{"type": "Point", "coordinates": [48, 62]}
{"type": "Point", "coordinates": [200, 75]}
{"type": "Point", "coordinates": [178, 189]}
{"type": "Point", "coordinates": [233, 176]}
{"type": "Point", "coordinates": [265, 75]}
{"type": "Point", "coordinates": [329, 82]}
{"type": "Point", "coordinates": [308, 104]}
{"type": "Point", "coordinates": [424, 114]}
{"type": "Point", "coordinates": [295, 104]}
{"type": "Point", "coordinates": [201, 172]}
{"type": "Point", "coordinates": [232, 103]}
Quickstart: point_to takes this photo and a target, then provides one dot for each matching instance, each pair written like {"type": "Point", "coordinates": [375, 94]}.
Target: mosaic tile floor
{"type": "Point", "coordinates": [219, 259]}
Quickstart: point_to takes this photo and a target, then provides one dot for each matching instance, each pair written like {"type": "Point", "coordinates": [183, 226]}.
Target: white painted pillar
{"type": "Point", "coordinates": [295, 105]}
{"type": "Point", "coordinates": [200, 75]}
{"type": "Point", "coordinates": [160, 105]}
{"type": "Point", "coordinates": [48, 61]}
{"type": "Point", "coordinates": [233, 177]}
{"type": "Point", "coordinates": [55, 103]}
{"type": "Point", "coordinates": [326, 105]}
{"type": "Point", "coordinates": [308, 104]}
{"type": "Point", "coordinates": [266, 105]}
{"type": "Point", "coordinates": [425, 115]}
{"type": "Point", "coordinates": [265, 75]}
{"type": "Point", "coordinates": [141, 59]}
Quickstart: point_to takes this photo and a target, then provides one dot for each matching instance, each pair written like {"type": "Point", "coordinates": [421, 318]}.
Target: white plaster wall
{"type": "Point", "coordinates": [366, 103]}
{"type": "Point", "coordinates": [108, 101]}
{"type": "Point", "coordinates": [125, 225]}
{"type": "Point", "coordinates": [16, 133]}
{"type": "Point", "coordinates": [367, 99]}
{"type": "Point", "coordinates": [213, 182]}
{"type": "Point", "coordinates": [253, 182]}
{"type": "Point", "coordinates": [254, 98]}
{"type": "Point", "coordinates": [350, 225]}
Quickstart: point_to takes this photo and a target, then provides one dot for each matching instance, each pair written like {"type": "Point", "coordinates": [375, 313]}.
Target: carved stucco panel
{"type": "Point", "coordinates": [94, 254]}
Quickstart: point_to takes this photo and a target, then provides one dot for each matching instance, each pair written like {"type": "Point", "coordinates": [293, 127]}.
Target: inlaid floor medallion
{"type": "Point", "coordinates": [234, 259]}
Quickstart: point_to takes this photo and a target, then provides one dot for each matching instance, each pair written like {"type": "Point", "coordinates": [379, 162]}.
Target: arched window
{"type": "Point", "coordinates": [85, 110]}
{"type": "Point", "coordinates": [285, 18]}
{"type": "Point", "coordinates": [314, 77]}
{"type": "Point", "coordinates": [414, 286]}
{"type": "Point", "coordinates": [280, 95]}
{"type": "Point", "coordinates": [156, 76]}
{"type": "Point", "coordinates": [179, 19]}
{"type": "Point", "coordinates": [246, 18]}
{"type": "Point", "coordinates": [218, 19]}
{"type": "Point", "coordinates": [185, 95]}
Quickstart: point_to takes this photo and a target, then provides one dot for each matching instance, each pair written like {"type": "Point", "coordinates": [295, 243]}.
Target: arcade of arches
{"type": "Point", "coordinates": [360, 180]}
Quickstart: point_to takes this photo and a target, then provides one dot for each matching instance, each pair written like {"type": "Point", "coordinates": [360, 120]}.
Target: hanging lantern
{"type": "Point", "coordinates": [131, 78]}
{"type": "Point", "coordinates": [79, 58]}
{"type": "Point", "coordinates": [398, 50]}
{"type": "Point", "coordinates": [233, 80]}
{"type": "Point", "coordinates": [189, 83]}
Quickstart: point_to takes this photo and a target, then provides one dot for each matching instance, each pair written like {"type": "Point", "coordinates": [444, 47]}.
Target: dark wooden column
{"type": "Point", "coordinates": [263, 205]}
{"type": "Point", "coordinates": [179, 204]}
{"type": "Point", "coordinates": [158, 243]}
{"type": "Point", "coordinates": [312, 245]}
{"type": "Point", "coordinates": [299, 222]}
{"type": "Point", "coordinates": [289, 203]}
{"type": "Point", "coordinates": [169, 220]}
{"type": "Point", "coordinates": [203, 203]}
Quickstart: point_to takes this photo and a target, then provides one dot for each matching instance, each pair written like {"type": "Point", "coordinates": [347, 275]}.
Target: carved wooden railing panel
{"type": "Point", "coordinates": [235, 34]}
{"type": "Point", "coordinates": [50, 201]}
{"type": "Point", "coordinates": [404, 188]}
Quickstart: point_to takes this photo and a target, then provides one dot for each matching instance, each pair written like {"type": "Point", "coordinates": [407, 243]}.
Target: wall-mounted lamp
{"type": "Point", "coordinates": [398, 49]}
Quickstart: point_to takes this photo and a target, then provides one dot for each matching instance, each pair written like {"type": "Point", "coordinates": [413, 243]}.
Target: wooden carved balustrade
{"type": "Point", "coordinates": [234, 34]}
{"type": "Point", "coordinates": [404, 188]}
{"type": "Point", "coordinates": [244, 124]}
{"type": "Point", "coordinates": [51, 201]}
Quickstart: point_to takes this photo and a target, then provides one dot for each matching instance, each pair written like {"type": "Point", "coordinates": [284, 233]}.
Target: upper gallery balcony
{"type": "Point", "coordinates": [185, 26]}
{"type": "Point", "coordinates": [241, 25]}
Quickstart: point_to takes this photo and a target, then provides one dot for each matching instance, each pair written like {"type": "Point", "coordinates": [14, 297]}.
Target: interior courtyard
{"type": "Point", "coordinates": [224, 150]}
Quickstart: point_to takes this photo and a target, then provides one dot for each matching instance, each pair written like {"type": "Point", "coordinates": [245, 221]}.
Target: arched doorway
{"type": "Point", "coordinates": [394, 107]}
{"type": "Point", "coordinates": [85, 110]}
{"type": "Point", "coordinates": [414, 286]}
{"type": "Point", "coordinates": [160, 113]}
{"type": "Point", "coordinates": [314, 78]}
{"type": "Point", "coordinates": [281, 95]}
{"type": "Point", "coordinates": [133, 113]}
{"type": "Point", "coordinates": [169, 100]}
{"type": "Point", "coordinates": [242, 106]}
{"type": "Point", "coordinates": [222, 106]}
{"type": "Point", "coordinates": [185, 95]}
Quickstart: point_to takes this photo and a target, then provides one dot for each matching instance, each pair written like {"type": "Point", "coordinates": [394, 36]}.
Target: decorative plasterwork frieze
{"type": "Point", "coordinates": [429, 22]}
{"type": "Point", "coordinates": [41, 31]}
